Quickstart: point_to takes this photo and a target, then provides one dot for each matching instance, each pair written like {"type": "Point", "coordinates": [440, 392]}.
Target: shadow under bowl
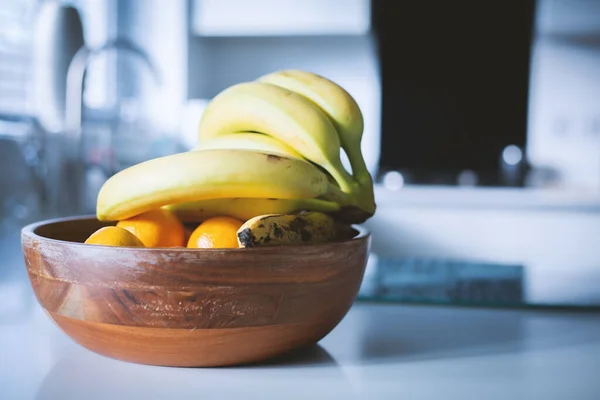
{"type": "Point", "coordinates": [190, 307]}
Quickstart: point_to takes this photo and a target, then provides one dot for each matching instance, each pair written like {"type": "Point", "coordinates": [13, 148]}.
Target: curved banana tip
{"type": "Point", "coordinates": [104, 217]}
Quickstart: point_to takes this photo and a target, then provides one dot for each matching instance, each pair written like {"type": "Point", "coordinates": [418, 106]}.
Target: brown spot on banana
{"type": "Point", "coordinates": [273, 158]}
{"type": "Point", "coordinates": [246, 238]}
{"type": "Point", "coordinates": [288, 229]}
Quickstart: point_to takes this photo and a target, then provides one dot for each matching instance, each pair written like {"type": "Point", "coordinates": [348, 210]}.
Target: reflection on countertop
{"type": "Point", "coordinates": [16, 295]}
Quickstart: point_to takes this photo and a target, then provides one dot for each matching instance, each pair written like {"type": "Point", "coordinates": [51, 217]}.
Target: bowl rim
{"type": "Point", "coordinates": [29, 231]}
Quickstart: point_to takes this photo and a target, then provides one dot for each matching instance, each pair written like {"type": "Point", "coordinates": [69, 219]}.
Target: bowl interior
{"type": "Point", "coordinates": [74, 229]}
{"type": "Point", "coordinates": [78, 229]}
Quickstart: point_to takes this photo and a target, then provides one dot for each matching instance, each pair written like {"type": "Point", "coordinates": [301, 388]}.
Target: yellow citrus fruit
{"type": "Point", "coordinates": [156, 228]}
{"type": "Point", "coordinates": [113, 236]}
{"type": "Point", "coordinates": [217, 233]}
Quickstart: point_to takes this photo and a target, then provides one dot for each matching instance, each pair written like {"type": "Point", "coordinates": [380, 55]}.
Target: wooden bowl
{"type": "Point", "coordinates": [185, 307]}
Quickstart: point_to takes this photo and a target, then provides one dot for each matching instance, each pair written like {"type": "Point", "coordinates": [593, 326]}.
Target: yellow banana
{"type": "Point", "coordinates": [334, 100]}
{"type": "Point", "coordinates": [249, 141]}
{"type": "Point", "coordinates": [246, 208]}
{"type": "Point", "coordinates": [282, 114]}
{"type": "Point", "coordinates": [206, 174]}
{"type": "Point", "coordinates": [289, 229]}
{"type": "Point", "coordinates": [343, 111]}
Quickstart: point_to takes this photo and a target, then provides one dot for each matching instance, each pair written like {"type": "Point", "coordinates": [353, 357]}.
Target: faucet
{"type": "Point", "coordinates": [73, 175]}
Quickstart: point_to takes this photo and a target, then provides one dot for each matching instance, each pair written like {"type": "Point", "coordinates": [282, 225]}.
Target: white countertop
{"type": "Point", "coordinates": [379, 351]}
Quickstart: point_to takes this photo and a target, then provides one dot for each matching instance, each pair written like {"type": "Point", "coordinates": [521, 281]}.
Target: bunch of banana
{"type": "Point", "coordinates": [266, 147]}
{"type": "Point", "coordinates": [305, 112]}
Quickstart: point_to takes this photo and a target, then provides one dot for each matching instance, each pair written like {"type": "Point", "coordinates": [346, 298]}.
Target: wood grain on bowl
{"type": "Point", "coordinates": [191, 347]}
{"type": "Point", "coordinates": [186, 306]}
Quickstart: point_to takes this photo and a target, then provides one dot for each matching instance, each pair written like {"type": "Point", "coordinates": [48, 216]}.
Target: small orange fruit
{"type": "Point", "coordinates": [113, 236]}
{"type": "Point", "coordinates": [156, 228]}
{"type": "Point", "coordinates": [217, 233]}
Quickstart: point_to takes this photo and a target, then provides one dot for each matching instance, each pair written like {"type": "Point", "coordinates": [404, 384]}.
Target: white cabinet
{"type": "Point", "coordinates": [280, 17]}
{"type": "Point", "coordinates": [568, 17]}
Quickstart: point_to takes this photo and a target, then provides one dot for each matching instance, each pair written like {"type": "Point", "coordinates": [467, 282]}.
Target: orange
{"type": "Point", "coordinates": [216, 232]}
{"type": "Point", "coordinates": [156, 228]}
{"type": "Point", "coordinates": [113, 236]}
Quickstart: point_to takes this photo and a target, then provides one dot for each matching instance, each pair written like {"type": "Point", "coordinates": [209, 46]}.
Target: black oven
{"type": "Point", "coordinates": [455, 84]}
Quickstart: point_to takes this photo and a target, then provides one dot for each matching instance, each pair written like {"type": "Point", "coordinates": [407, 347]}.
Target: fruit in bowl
{"type": "Point", "coordinates": [244, 248]}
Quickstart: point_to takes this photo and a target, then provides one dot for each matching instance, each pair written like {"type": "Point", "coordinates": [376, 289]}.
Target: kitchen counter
{"type": "Point", "coordinates": [379, 351]}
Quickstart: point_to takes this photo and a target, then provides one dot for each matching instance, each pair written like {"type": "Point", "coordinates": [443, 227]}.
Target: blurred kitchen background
{"type": "Point", "coordinates": [482, 125]}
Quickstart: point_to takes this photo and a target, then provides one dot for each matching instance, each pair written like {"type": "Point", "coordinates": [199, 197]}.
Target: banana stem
{"type": "Point", "coordinates": [365, 197]}
{"type": "Point", "coordinates": [336, 195]}
{"type": "Point", "coordinates": [320, 205]}
{"type": "Point", "coordinates": [359, 167]}
{"type": "Point", "coordinates": [362, 197]}
{"type": "Point", "coordinates": [342, 177]}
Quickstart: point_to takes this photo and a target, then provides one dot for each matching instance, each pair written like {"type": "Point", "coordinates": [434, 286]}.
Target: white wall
{"type": "Point", "coordinates": [564, 128]}
{"type": "Point", "coordinates": [564, 115]}
{"type": "Point", "coordinates": [279, 17]}
{"type": "Point", "coordinates": [160, 28]}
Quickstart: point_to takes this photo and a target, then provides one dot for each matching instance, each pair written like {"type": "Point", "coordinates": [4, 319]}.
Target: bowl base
{"type": "Point", "coordinates": [191, 347]}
